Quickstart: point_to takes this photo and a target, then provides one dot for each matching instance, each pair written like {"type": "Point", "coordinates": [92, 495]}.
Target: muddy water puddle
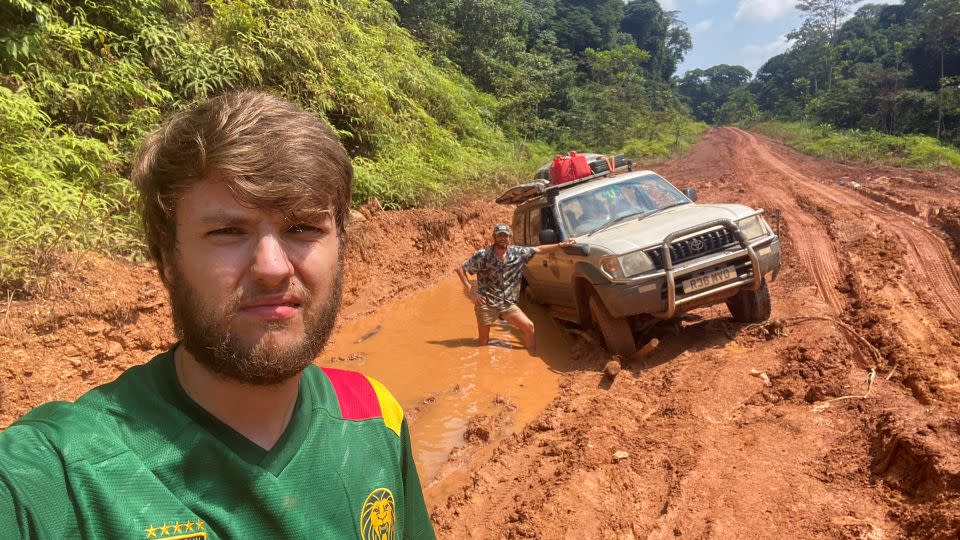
{"type": "Point", "coordinates": [424, 349]}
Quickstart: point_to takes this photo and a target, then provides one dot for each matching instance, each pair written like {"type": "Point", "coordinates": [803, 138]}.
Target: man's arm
{"type": "Point", "coordinates": [550, 248]}
{"type": "Point", "coordinates": [468, 288]}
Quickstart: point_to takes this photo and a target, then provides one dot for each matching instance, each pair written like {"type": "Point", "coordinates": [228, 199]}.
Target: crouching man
{"type": "Point", "coordinates": [499, 268]}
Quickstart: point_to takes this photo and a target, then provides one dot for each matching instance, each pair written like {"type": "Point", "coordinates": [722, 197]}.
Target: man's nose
{"type": "Point", "coordinates": [270, 262]}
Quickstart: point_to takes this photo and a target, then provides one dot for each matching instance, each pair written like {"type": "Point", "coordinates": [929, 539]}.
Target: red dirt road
{"type": "Point", "coordinates": [838, 419]}
{"type": "Point", "coordinates": [867, 306]}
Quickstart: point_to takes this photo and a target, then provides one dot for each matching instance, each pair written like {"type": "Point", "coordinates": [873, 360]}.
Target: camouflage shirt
{"type": "Point", "coordinates": [498, 282]}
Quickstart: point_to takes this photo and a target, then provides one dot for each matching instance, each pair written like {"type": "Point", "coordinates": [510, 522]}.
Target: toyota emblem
{"type": "Point", "coordinates": [696, 244]}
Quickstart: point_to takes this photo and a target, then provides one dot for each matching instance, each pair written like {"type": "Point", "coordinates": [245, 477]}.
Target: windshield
{"type": "Point", "coordinates": [588, 211]}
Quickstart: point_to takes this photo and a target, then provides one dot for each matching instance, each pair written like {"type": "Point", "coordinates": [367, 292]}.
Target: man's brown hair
{"type": "Point", "coordinates": [271, 155]}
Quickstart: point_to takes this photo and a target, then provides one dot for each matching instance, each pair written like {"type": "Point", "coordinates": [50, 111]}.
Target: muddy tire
{"type": "Point", "coordinates": [750, 306]}
{"type": "Point", "coordinates": [527, 293]}
{"type": "Point", "coordinates": [615, 330]}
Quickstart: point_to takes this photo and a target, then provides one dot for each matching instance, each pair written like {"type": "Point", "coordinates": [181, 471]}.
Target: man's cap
{"type": "Point", "coordinates": [501, 228]}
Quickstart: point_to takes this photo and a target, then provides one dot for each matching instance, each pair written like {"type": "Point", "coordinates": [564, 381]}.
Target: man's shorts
{"type": "Point", "coordinates": [487, 315]}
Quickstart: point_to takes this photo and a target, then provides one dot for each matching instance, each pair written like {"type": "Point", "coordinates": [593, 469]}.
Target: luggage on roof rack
{"type": "Point", "coordinates": [569, 168]}
{"type": "Point", "coordinates": [524, 192]}
{"type": "Point", "coordinates": [603, 164]}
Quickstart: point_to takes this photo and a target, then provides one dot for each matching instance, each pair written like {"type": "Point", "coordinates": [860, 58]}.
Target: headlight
{"type": "Point", "coordinates": [753, 227]}
{"type": "Point", "coordinates": [628, 265]}
{"type": "Point", "coordinates": [611, 267]}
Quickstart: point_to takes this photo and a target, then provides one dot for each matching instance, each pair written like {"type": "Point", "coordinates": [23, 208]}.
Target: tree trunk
{"type": "Point", "coordinates": [940, 98]}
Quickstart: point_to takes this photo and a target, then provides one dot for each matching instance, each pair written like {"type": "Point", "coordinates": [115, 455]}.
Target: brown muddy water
{"type": "Point", "coordinates": [424, 348]}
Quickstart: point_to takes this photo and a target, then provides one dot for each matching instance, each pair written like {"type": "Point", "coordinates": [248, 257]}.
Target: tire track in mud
{"type": "Point", "coordinates": [810, 237]}
{"type": "Point", "coordinates": [927, 255]}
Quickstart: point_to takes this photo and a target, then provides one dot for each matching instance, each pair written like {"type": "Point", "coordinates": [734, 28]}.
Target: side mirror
{"type": "Point", "coordinates": [691, 193]}
{"type": "Point", "coordinates": [548, 236]}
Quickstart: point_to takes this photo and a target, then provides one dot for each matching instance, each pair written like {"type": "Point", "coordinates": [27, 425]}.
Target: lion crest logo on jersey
{"type": "Point", "coordinates": [378, 519]}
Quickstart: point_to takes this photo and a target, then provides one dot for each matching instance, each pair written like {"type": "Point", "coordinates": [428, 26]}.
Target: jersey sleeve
{"type": "Point", "coordinates": [9, 519]}
{"type": "Point", "coordinates": [472, 266]}
{"type": "Point", "coordinates": [34, 500]}
{"type": "Point", "coordinates": [527, 253]}
{"type": "Point", "coordinates": [418, 525]}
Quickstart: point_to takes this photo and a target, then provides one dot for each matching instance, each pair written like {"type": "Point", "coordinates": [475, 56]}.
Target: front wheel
{"type": "Point", "coordinates": [615, 330]}
{"type": "Point", "coordinates": [527, 293]}
{"type": "Point", "coordinates": [751, 306]}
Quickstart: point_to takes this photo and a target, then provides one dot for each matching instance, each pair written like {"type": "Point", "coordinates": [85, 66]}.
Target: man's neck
{"type": "Point", "coordinates": [499, 250]}
{"type": "Point", "coordinates": [259, 413]}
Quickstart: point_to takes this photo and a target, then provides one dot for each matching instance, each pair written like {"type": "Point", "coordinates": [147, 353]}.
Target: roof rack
{"type": "Point", "coordinates": [524, 192]}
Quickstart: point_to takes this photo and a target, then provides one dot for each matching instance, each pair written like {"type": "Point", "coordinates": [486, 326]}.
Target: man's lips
{"type": "Point", "coordinates": [273, 308]}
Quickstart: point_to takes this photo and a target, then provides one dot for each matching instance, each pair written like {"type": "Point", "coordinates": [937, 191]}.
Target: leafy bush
{"type": "Point", "coordinates": [672, 140]}
{"type": "Point", "coordinates": [872, 146]}
{"type": "Point", "coordinates": [58, 192]}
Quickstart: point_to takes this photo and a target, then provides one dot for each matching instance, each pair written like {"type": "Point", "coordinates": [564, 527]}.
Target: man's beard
{"type": "Point", "coordinates": [205, 331]}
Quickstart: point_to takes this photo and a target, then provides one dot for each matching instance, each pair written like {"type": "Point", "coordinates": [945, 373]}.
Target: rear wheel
{"type": "Point", "coordinates": [751, 306]}
{"type": "Point", "coordinates": [616, 330]}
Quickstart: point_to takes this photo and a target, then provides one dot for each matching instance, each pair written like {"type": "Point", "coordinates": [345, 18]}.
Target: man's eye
{"type": "Point", "coordinates": [226, 231]}
{"type": "Point", "coordinates": [303, 228]}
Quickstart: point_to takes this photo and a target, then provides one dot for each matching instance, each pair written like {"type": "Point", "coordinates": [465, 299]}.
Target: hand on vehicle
{"type": "Point", "coordinates": [567, 243]}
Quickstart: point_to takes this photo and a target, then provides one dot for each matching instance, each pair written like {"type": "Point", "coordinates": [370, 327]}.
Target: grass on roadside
{"type": "Point", "coordinates": [668, 140]}
{"type": "Point", "coordinates": [825, 141]}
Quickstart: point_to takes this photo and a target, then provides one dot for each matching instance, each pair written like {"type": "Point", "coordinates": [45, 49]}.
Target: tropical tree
{"type": "Point", "coordinates": [939, 22]}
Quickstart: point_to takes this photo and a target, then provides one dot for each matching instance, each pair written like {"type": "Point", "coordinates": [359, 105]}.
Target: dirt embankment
{"type": "Point", "coordinates": [838, 419]}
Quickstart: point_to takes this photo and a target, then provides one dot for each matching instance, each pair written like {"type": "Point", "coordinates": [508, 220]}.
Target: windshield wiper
{"type": "Point", "coordinates": [613, 221]}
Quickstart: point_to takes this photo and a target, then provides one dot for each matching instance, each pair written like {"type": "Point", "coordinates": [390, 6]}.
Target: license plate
{"type": "Point", "coordinates": [708, 280]}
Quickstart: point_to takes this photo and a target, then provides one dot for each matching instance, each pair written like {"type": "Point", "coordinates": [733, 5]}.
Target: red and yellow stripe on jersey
{"type": "Point", "coordinates": [362, 398]}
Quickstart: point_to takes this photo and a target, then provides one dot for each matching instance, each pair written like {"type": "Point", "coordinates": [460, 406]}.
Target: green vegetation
{"type": "Point", "coordinates": [845, 145]}
{"type": "Point", "coordinates": [887, 78]}
{"type": "Point", "coordinates": [426, 98]}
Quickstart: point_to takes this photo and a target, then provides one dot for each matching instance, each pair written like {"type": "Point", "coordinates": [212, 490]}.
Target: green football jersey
{"type": "Point", "coordinates": [138, 458]}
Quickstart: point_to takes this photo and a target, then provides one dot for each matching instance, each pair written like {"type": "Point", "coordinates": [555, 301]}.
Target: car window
{"type": "Point", "coordinates": [661, 193]}
{"type": "Point", "coordinates": [519, 228]}
{"type": "Point", "coordinates": [533, 227]}
{"type": "Point", "coordinates": [588, 211]}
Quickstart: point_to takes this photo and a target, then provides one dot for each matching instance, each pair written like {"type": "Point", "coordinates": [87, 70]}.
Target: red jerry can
{"type": "Point", "coordinates": [561, 171]}
{"type": "Point", "coordinates": [580, 166]}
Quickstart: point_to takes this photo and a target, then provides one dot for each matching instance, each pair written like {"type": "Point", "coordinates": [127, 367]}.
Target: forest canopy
{"type": "Point", "coordinates": [889, 68]}
{"type": "Point", "coordinates": [426, 98]}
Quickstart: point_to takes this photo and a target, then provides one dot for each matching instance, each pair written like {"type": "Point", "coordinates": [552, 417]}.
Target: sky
{"type": "Point", "coordinates": [737, 32]}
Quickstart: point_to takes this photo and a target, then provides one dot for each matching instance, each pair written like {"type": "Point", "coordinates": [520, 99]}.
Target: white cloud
{"type": "Point", "coordinates": [669, 5]}
{"type": "Point", "coordinates": [753, 56]}
{"type": "Point", "coordinates": [763, 10]}
{"type": "Point", "coordinates": [701, 26]}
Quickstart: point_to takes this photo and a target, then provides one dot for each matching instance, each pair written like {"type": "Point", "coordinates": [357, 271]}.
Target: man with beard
{"type": "Point", "coordinates": [233, 433]}
{"type": "Point", "coordinates": [498, 268]}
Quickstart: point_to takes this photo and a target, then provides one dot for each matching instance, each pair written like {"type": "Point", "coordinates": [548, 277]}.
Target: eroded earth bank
{"type": "Point", "coordinates": [837, 419]}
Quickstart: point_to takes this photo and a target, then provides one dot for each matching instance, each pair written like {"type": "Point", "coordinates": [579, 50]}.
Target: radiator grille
{"type": "Point", "coordinates": [695, 246]}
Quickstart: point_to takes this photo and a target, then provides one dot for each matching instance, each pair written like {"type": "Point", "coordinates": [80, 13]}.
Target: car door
{"type": "Point", "coordinates": [544, 271]}
{"type": "Point", "coordinates": [536, 271]}
{"type": "Point", "coordinates": [559, 264]}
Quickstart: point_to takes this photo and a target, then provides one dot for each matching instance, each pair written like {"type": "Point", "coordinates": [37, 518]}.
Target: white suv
{"type": "Point", "coordinates": [645, 251]}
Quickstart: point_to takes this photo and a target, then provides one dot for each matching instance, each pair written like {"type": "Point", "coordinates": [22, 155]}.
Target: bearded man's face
{"type": "Point", "coordinates": [255, 294]}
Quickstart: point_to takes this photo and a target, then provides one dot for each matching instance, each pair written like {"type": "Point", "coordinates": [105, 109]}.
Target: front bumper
{"type": "Point", "coordinates": [661, 293]}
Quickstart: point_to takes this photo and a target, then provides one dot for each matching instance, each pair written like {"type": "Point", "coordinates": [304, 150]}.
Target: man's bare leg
{"type": "Point", "coordinates": [523, 323]}
{"type": "Point", "coordinates": [484, 330]}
